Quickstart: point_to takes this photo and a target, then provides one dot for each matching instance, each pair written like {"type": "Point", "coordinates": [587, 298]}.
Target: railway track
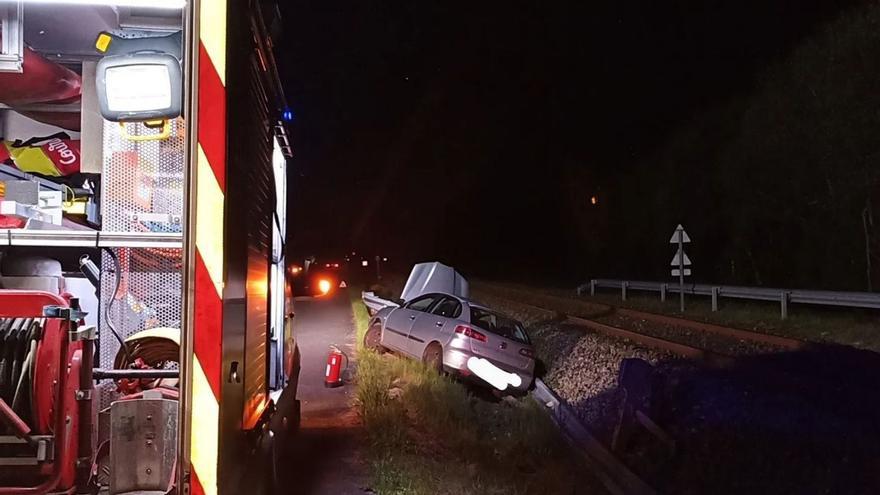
{"type": "Point", "coordinates": [708, 343]}
{"type": "Point", "coordinates": [746, 412]}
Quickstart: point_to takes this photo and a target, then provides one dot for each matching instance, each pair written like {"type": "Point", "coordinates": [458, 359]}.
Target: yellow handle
{"type": "Point", "coordinates": [164, 134]}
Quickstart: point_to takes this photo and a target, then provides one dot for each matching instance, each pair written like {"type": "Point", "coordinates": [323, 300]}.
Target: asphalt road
{"type": "Point", "coordinates": [324, 457]}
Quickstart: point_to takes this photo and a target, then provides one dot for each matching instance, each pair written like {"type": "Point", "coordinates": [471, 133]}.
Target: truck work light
{"type": "Point", "coordinates": [139, 87]}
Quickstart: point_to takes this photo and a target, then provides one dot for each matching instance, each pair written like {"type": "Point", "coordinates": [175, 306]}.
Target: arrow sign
{"type": "Point", "coordinates": [679, 233]}
{"type": "Point", "coordinates": [677, 261]}
{"type": "Point", "coordinates": [680, 261]}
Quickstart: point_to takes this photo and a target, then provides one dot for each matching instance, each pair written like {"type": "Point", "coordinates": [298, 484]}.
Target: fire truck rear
{"type": "Point", "coordinates": [145, 316]}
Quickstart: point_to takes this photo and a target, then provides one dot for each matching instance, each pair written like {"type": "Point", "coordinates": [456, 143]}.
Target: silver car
{"type": "Point", "coordinates": [444, 331]}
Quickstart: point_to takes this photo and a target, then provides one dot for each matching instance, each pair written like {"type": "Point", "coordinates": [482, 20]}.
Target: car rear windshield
{"type": "Point", "coordinates": [499, 325]}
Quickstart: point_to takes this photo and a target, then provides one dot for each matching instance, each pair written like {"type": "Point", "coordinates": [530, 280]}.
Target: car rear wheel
{"type": "Point", "coordinates": [433, 357]}
{"type": "Point", "coordinates": [373, 337]}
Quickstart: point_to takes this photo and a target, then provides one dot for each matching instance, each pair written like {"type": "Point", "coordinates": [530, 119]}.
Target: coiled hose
{"type": "Point", "coordinates": [18, 348]}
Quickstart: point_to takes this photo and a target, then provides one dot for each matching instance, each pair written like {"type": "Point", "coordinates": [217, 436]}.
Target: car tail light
{"type": "Point", "coordinates": [525, 351]}
{"type": "Point", "coordinates": [470, 332]}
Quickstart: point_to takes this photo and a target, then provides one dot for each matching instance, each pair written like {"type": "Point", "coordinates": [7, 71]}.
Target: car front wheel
{"type": "Point", "coordinates": [373, 337]}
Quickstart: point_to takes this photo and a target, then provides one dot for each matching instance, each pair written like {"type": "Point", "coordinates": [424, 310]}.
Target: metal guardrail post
{"type": "Point", "coordinates": [663, 289]}
{"type": "Point", "coordinates": [592, 287]}
{"type": "Point", "coordinates": [715, 298]}
{"type": "Point", "coordinates": [784, 297]}
{"type": "Point", "coordinates": [623, 287]}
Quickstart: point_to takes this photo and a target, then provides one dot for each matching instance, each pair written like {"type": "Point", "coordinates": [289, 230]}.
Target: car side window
{"type": "Point", "coordinates": [449, 307]}
{"type": "Point", "coordinates": [423, 303]}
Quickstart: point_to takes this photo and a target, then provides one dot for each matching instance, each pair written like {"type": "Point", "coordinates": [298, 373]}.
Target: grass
{"type": "Point", "coordinates": [858, 328]}
{"type": "Point", "coordinates": [430, 435]}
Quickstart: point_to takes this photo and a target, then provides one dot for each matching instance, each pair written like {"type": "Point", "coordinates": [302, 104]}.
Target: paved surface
{"type": "Point", "coordinates": [324, 457]}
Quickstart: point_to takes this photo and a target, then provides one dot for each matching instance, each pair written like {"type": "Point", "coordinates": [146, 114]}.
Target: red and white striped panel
{"type": "Point", "coordinates": [210, 179]}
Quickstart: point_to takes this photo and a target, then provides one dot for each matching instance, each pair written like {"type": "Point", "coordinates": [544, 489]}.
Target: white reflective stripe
{"type": "Point", "coordinates": [327, 373]}
{"type": "Point", "coordinates": [209, 220]}
{"type": "Point", "coordinates": [212, 33]}
{"type": "Point", "coordinates": [204, 439]}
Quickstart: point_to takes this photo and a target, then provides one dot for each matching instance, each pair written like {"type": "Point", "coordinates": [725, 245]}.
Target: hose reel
{"type": "Point", "coordinates": [153, 349]}
{"type": "Point", "coordinates": [18, 347]}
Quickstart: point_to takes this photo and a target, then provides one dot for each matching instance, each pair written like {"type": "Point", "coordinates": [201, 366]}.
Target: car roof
{"type": "Point", "coordinates": [468, 300]}
{"type": "Point", "coordinates": [474, 304]}
{"type": "Point", "coordinates": [484, 307]}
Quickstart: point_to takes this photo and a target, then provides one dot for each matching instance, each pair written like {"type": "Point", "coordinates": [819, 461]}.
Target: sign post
{"type": "Point", "coordinates": [680, 260]}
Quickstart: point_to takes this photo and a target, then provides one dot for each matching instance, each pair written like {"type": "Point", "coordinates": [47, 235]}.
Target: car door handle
{"type": "Point", "coordinates": [439, 323]}
{"type": "Point", "coordinates": [412, 317]}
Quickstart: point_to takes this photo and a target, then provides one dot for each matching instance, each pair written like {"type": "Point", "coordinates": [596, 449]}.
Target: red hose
{"type": "Point", "coordinates": [40, 81]}
{"type": "Point", "coordinates": [14, 421]}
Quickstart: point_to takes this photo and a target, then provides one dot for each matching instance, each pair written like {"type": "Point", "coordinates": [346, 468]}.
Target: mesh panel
{"type": "Point", "coordinates": [149, 297]}
{"type": "Point", "coordinates": [142, 180]}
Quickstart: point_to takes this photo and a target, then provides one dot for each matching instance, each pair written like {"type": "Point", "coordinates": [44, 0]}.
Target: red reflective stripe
{"type": "Point", "coordinates": [207, 325]}
{"type": "Point", "coordinates": [212, 116]}
{"type": "Point", "coordinates": [195, 486]}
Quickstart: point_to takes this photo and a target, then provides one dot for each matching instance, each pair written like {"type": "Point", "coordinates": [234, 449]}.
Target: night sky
{"type": "Point", "coordinates": [460, 131]}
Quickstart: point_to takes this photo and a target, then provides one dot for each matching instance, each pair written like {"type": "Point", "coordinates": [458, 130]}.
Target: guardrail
{"type": "Point", "coordinates": [375, 303]}
{"type": "Point", "coordinates": [869, 300]}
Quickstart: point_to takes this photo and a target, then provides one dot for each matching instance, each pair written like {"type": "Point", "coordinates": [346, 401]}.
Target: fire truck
{"type": "Point", "coordinates": [146, 341]}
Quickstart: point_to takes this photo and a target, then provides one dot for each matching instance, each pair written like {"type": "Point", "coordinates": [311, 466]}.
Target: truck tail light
{"type": "Point", "coordinates": [470, 332]}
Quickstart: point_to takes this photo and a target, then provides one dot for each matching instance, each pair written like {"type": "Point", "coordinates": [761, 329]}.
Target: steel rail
{"type": "Point", "coordinates": [708, 357]}
{"type": "Point", "coordinates": [736, 333]}
{"type": "Point", "coordinates": [729, 332]}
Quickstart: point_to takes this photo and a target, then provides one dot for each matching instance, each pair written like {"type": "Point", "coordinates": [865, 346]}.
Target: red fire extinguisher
{"type": "Point", "coordinates": [333, 375]}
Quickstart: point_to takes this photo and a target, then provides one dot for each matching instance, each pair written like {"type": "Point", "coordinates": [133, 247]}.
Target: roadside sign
{"type": "Point", "coordinates": [680, 261]}
{"type": "Point", "coordinates": [679, 234]}
{"type": "Point", "coordinates": [676, 260]}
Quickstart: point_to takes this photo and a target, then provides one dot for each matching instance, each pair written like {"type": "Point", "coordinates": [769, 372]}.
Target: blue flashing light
{"type": "Point", "coordinates": [287, 115]}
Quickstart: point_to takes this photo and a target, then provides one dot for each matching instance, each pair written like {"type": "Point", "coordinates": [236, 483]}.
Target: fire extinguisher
{"type": "Point", "coordinates": [333, 375]}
